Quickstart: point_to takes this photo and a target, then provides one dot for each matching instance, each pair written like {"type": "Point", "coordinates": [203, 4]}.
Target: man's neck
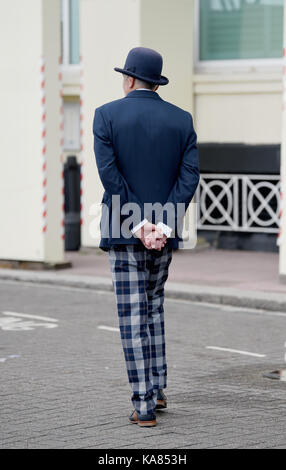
{"type": "Point", "coordinates": [145, 89]}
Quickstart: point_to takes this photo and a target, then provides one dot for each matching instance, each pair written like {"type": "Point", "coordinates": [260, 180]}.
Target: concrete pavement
{"type": "Point", "coordinates": [64, 384]}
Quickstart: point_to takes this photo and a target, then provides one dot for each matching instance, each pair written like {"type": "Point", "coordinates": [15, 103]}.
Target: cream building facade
{"type": "Point", "coordinates": [233, 101]}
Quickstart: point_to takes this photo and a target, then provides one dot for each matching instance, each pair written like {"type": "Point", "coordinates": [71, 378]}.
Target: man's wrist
{"type": "Point", "coordinates": [139, 226]}
{"type": "Point", "coordinates": [165, 229]}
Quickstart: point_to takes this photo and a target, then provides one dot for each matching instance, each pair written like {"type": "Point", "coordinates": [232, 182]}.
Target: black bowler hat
{"type": "Point", "coordinates": [145, 64]}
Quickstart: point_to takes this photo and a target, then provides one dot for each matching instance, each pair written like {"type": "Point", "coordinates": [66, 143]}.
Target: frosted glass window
{"type": "Point", "coordinates": [241, 29]}
{"type": "Point", "coordinates": [74, 32]}
{"type": "Point", "coordinates": [70, 46]}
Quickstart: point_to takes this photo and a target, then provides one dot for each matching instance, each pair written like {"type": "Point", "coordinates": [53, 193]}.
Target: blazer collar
{"type": "Point", "coordinates": [143, 94]}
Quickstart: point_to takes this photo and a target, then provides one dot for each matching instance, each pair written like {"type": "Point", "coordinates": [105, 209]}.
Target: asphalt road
{"type": "Point", "coordinates": [64, 384]}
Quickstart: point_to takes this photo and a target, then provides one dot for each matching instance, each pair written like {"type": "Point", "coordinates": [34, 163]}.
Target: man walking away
{"type": "Point", "coordinates": [146, 154]}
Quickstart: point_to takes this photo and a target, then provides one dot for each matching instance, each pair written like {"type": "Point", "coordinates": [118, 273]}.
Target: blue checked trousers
{"type": "Point", "coordinates": [138, 277]}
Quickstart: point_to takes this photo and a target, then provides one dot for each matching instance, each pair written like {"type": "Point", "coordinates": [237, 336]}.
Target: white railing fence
{"type": "Point", "coordinates": [244, 203]}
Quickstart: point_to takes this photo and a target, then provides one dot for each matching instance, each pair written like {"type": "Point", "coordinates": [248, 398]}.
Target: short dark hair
{"type": "Point", "coordinates": [148, 85]}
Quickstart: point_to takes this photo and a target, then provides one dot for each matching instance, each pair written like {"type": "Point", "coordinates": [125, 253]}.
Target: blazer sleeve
{"type": "Point", "coordinates": [113, 181]}
{"type": "Point", "coordinates": [187, 180]}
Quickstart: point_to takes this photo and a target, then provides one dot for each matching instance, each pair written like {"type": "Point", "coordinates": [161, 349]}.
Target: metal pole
{"type": "Point", "coordinates": [282, 232]}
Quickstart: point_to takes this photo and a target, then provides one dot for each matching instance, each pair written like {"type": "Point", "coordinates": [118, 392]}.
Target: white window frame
{"type": "Point", "coordinates": [66, 38]}
{"type": "Point", "coordinates": [227, 64]}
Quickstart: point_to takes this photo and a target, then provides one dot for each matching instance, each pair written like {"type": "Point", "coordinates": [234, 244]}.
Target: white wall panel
{"type": "Point", "coordinates": [109, 29]}
{"type": "Point", "coordinates": [23, 41]}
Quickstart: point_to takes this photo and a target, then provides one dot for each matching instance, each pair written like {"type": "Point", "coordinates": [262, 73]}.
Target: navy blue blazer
{"type": "Point", "coordinates": [146, 152]}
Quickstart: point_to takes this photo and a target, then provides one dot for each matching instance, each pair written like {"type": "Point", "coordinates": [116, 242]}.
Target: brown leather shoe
{"type": "Point", "coordinates": [161, 400]}
{"type": "Point", "coordinates": [147, 421]}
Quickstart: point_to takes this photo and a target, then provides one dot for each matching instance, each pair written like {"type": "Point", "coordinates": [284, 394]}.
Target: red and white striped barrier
{"type": "Point", "coordinates": [44, 146]}
{"type": "Point", "coordinates": [61, 152]}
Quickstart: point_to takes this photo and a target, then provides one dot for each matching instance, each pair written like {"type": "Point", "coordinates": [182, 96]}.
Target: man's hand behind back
{"type": "Point", "coordinates": [151, 236]}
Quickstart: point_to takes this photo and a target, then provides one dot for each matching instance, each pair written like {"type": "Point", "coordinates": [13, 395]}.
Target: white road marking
{"type": "Point", "coordinates": [12, 356]}
{"type": "Point", "coordinates": [14, 321]}
{"type": "Point", "coordinates": [108, 328]}
{"type": "Point", "coordinates": [13, 324]}
{"type": "Point", "coordinates": [237, 351]}
{"type": "Point", "coordinates": [26, 315]}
